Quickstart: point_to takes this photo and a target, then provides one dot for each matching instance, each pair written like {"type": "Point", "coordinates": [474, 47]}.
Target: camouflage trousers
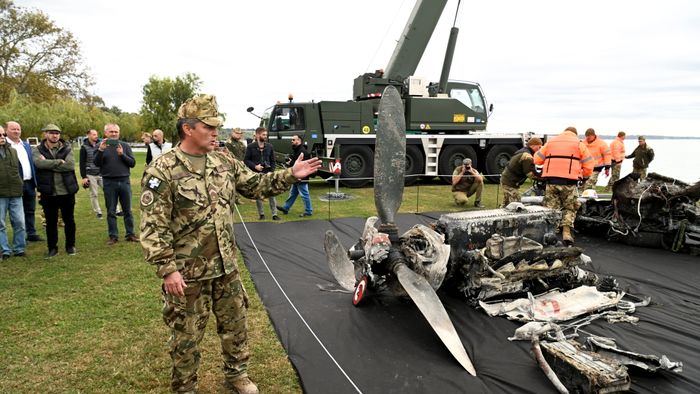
{"type": "Point", "coordinates": [591, 182]}
{"type": "Point", "coordinates": [510, 194]}
{"type": "Point", "coordinates": [641, 171]}
{"type": "Point", "coordinates": [187, 318]}
{"type": "Point", "coordinates": [615, 175]}
{"type": "Point", "coordinates": [564, 198]}
{"type": "Point", "coordinates": [461, 198]}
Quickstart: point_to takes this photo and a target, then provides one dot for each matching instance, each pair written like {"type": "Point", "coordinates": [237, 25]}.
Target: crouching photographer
{"type": "Point", "coordinates": [260, 157]}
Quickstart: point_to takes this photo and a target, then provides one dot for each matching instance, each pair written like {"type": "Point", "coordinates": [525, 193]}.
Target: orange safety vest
{"type": "Point", "coordinates": [617, 149]}
{"type": "Point", "coordinates": [564, 156]}
{"type": "Point", "coordinates": [600, 152]}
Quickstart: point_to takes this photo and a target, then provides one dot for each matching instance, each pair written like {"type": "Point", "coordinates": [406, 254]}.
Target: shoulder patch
{"type": "Point", "coordinates": [147, 198]}
{"type": "Point", "coordinates": [153, 183]}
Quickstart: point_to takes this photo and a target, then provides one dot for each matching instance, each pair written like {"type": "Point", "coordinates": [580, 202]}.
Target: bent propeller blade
{"type": "Point", "coordinates": [389, 156]}
{"type": "Point", "coordinates": [431, 307]}
{"type": "Point", "coordinates": [339, 262]}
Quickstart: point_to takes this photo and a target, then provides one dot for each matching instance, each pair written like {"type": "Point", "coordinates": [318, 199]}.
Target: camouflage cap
{"type": "Point", "coordinates": [51, 127]}
{"type": "Point", "coordinates": [641, 138]}
{"type": "Point", "coordinates": [467, 162]}
{"type": "Point", "coordinates": [202, 107]}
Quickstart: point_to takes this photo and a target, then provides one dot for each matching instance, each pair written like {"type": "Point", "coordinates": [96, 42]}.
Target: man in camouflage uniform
{"type": "Point", "coordinates": [643, 155]}
{"type": "Point", "coordinates": [235, 145]}
{"type": "Point", "coordinates": [466, 181]}
{"type": "Point", "coordinates": [237, 148]}
{"type": "Point", "coordinates": [187, 233]}
{"type": "Point", "coordinates": [519, 168]}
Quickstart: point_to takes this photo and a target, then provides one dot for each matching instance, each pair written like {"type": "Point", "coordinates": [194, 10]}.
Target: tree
{"type": "Point", "coordinates": [74, 118]}
{"type": "Point", "coordinates": [38, 58]}
{"type": "Point", "coordinates": [161, 99]}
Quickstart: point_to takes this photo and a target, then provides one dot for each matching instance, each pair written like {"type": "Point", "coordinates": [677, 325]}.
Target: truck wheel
{"type": "Point", "coordinates": [358, 162]}
{"type": "Point", "coordinates": [415, 164]}
{"type": "Point", "coordinates": [451, 157]}
{"type": "Point", "coordinates": [496, 161]}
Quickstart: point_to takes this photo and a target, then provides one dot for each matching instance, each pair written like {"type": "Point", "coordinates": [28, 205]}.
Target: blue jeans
{"type": "Point", "coordinates": [299, 188]}
{"type": "Point", "coordinates": [118, 190]}
{"type": "Point", "coordinates": [19, 240]}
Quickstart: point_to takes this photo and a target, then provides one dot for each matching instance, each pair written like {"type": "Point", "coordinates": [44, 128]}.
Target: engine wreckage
{"type": "Point", "coordinates": [509, 262]}
{"type": "Point", "coordinates": [658, 212]}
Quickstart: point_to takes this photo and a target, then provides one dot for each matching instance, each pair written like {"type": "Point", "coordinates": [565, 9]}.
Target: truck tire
{"type": "Point", "coordinates": [451, 157]}
{"type": "Point", "coordinates": [358, 162]}
{"type": "Point", "coordinates": [496, 161]}
{"type": "Point", "coordinates": [415, 164]}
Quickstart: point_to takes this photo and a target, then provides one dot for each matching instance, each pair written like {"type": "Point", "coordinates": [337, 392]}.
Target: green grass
{"type": "Point", "coordinates": [92, 322]}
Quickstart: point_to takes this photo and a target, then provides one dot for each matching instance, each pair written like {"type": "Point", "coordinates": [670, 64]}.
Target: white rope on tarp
{"type": "Point", "coordinates": [279, 286]}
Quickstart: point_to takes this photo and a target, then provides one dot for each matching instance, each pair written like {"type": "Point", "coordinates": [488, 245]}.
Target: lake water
{"type": "Point", "coordinates": [677, 158]}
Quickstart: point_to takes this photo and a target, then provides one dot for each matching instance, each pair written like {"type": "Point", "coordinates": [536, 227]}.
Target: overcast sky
{"type": "Point", "coordinates": [545, 65]}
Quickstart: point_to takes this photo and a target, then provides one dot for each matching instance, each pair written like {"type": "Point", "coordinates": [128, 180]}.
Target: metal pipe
{"type": "Point", "coordinates": [447, 64]}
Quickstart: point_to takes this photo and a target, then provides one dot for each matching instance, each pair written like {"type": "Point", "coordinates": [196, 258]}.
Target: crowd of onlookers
{"type": "Point", "coordinates": [47, 171]}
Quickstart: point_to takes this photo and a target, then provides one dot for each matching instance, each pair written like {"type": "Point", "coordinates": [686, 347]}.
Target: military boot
{"type": "Point", "coordinates": [567, 236]}
{"type": "Point", "coordinates": [242, 385]}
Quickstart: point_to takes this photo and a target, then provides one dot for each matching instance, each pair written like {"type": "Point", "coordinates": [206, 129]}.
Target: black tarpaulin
{"type": "Point", "coordinates": [386, 346]}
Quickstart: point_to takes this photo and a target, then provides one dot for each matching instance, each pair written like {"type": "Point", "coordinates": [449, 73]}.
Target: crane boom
{"type": "Point", "coordinates": [414, 39]}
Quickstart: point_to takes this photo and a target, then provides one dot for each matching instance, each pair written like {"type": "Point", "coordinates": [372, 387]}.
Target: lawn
{"type": "Point", "coordinates": [92, 322]}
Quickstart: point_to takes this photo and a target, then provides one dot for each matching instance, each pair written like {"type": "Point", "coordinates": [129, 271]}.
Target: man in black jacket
{"type": "Point", "coordinates": [115, 160]}
{"type": "Point", "coordinates": [56, 181]}
{"type": "Point", "coordinates": [260, 157]}
{"type": "Point", "coordinates": [302, 186]}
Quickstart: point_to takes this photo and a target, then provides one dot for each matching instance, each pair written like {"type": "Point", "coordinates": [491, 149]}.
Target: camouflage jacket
{"type": "Point", "coordinates": [520, 167]}
{"type": "Point", "coordinates": [236, 147]}
{"type": "Point", "coordinates": [187, 219]}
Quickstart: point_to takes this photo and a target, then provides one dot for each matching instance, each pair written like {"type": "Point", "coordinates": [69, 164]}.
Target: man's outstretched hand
{"type": "Point", "coordinates": [303, 168]}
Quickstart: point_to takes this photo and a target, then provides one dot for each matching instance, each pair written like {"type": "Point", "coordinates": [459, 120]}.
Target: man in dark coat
{"type": "Point", "coordinates": [56, 181]}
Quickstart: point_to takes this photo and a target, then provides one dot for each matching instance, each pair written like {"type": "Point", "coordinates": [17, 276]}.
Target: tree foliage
{"type": "Point", "coordinates": [38, 58]}
{"type": "Point", "coordinates": [161, 99]}
{"type": "Point", "coordinates": [74, 118]}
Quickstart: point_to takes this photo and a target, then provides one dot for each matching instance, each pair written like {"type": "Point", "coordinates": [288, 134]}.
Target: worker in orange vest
{"type": "Point", "coordinates": [602, 158]}
{"type": "Point", "coordinates": [617, 150]}
{"type": "Point", "coordinates": [565, 161]}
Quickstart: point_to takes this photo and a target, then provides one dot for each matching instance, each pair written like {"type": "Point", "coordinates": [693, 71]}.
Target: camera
{"type": "Point", "coordinates": [112, 142]}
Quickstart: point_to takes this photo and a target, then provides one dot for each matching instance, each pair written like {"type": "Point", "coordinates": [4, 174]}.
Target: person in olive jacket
{"type": "Point", "coordinates": [57, 183]}
{"type": "Point", "coordinates": [11, 189]}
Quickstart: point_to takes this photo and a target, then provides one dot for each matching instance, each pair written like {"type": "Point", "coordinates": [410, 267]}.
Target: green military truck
{"type": "Point", "coordinates": [445, 121]}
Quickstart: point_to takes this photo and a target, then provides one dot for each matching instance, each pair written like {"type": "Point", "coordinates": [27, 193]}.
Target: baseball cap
{"type": "Point", "coordinates": [467, 162]}
{"type": "Point", "coordinates": [202, 107]}
{"type": "Point", "coordinates": [641, 138]}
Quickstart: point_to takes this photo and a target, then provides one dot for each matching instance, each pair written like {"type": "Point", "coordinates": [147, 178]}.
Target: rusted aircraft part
{"type": "Point", "coordinates": [650, 363]}
{"type": "Point", "coordinates": [533, 270]}
{"type": "Point", "coordinates": [432, 309]}
{"type": "Point", "coordinates": [389, 156]}
{"type": "Point", "coordinates": [338, 261]}
{"type": "Point", "coordinates": [658, 212]}
{"type": "Point", "coordinates": [469, 230]}
{"type": "Point", "coordinates": [427, 253]}
{"type": "Point", "coordinates": [544, 366]}
{"type": "Point", "coordinates": [582, 371]}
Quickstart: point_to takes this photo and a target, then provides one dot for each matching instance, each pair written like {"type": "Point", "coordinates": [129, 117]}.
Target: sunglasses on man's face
{"type": "Point", "coordinates": [3, 135]}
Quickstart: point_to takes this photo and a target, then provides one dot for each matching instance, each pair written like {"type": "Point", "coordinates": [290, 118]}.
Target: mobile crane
{"type": "Point", "coordinates": [445, 121]}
